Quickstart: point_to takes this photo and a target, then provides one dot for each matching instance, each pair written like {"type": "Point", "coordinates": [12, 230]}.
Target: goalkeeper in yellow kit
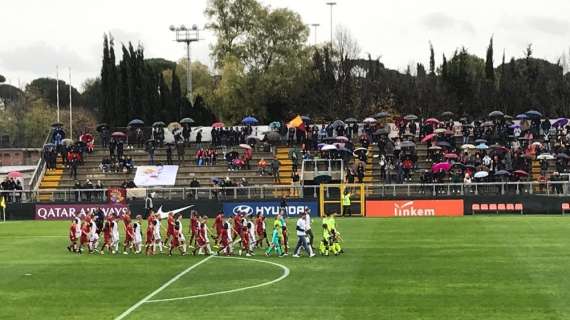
{"type": "Point", "coordinates": [331, 237]}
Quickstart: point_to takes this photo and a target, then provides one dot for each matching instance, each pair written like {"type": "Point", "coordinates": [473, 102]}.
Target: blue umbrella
{"type": "Point", "coordinates": [482, 146]}
{"type": "Point", "coordinates": [533, 114]}
{"type": "Point", "coordinates": [560, 122]}
{"type": "Point", "coordinates": [521, 116]}
{"type": "Point", "coordinates": [514, 126]}
{"type": "Point", "coordinates": [136, 122]}
{"type": "Point", "coordinates": [275, 125]}
{"type": "Point", "coordinates": [249, 121]}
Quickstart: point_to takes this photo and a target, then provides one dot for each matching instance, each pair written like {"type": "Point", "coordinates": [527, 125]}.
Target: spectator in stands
{"type": "Point", "coordinates": [112, 148]}
{"type": "Point", "coordinates": [73, 166]}
{"type": "Point", "coordinates": [200, 155]}
{"type": "Point", "coordinates": [295, 184]}
{"type": "Point", "coordinates": [77, 186]}
{"type": "Point", "coordinates": [169, 155]}
{"type": "Point", "coordinates": [139, 137]}
{"type": "Point", "coordinates": [261, 167]}
{"type": "Point", "coordinates": [180, 152]}
{"type": "Point", "coordinates": [275, 170]}
{"type": "Point", "coordinates": [199, 139]}
{"type": "Point", "coordinates": [360, 172]}
{"type": "Point", "coordinates": [120, 149]}
{"type": "Point", "coordinates": [150, 148]}
{"type": "Point", "coordinates": [100, 194]}
{"type": "Point", "coordinates": [88, 186]}
{"type": "Point", "coordinates": [194, 183]}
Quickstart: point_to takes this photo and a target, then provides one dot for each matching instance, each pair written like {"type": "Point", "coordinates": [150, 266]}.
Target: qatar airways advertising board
{"type": "Point", "coordinates": [69, 211]}
{"type": "Point", "coordinates": [414, 208]}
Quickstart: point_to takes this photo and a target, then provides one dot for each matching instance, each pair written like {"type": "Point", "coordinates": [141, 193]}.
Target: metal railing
{"type": "Point", "coordinates": [317, 167]}
{"type": "Point", "coordinates": [276, 191]}
{"type": "Point", "coordinates": [40, 167]}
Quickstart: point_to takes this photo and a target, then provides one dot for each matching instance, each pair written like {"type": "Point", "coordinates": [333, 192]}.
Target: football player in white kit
{"type": "Point", "coordinates": [114, 235]}
{"type": "Point", "coordinates": [156, 235]}
{"type": "Point", "coordinates": [252, 239]}
{"type": "Point", "coordinates": [93, 236]}
{"type": "Point", "coordinates": [138, 234]}
{"type": "Point", "coordinates": [204, 228]}
{"type": "Point", "coordinates": [181, 238]}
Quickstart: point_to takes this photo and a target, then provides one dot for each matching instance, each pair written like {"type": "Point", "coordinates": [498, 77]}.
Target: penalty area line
{"type": "Point", "coordinates": [152, 294]}
{"type": "Point", "coordinates": [285, 274]}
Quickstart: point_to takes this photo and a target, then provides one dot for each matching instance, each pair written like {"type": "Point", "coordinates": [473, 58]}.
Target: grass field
{"type": "Point", "coordinates": [422, 268]}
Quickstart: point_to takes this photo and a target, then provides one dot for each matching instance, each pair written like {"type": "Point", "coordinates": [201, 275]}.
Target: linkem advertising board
{"type": "Point", "coordinates": [269, 208]}
{"type": "Point", "coordinates": [414, 208]}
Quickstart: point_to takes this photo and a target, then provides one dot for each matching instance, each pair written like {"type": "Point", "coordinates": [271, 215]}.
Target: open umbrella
{"type": "Point", "coordinates": [560, 122]}
{"type": "Point", "coordinates": [322, 179]}
{"type": "Point", "coordinates": [101, 126]}
{"type": "Point", "coordinates": [514, 126]}
{"type": "Point", "coordinates": [428, 137]}
{"type": "Point", "coordinates": [217, 125]}
{"type": "Point", "coordinates": [67, 142]}
{"type": "Point", "coordinates": [482, 146]}
{"type": "Point", "coordinates": [520, 173]}
{"type": "Point", "coordinates": [306, 119]}
{"type": "Point", "coordinates": [440, 130]}
{"type": "Point", "coordinates": [49, 145]}
{"type": "Point", "coordinates": [431, 121]}
{"type": "Point", "coordinates": [369, 120]}
{"type": "Point", "coordinates": [87, 137]}
{"type": "Point", "coordinates": [342, 138]}
{"type": "Point", "coordinates": [159, 124]}
{"type": "Point", "coordinates": [447, 114]}
{"type": "Point", "coordinates": [480, 141]}
{"type": "Point", "coordinates": [458, 165]}
{"type": "Point", "coordinates": [273, 136]}
{"type": "Point", "coordinates": [545, 156]}
{"type": "Point", "coordinates": [136, 123]}
{"type": "Point", "coordinates": [521, 116]}
{"type": "Point", "coordinates": [119, 135]}
{"type": "Point", "coordinates": [57, 124]}
{"type": "Point", "coordinates": [481, 174]}
{"type": "Point", "coordinates": [380, 132]}
{"type": "Point", "coordinates": [357, 150]}
{"type": "Point", "coordinates": [328, 147]}
{"type": "Point", "coordinates": [187, 121]}
{"type": "Point", "coordinates": [249, 121]}
{"type": "Point", "coordinates": [252, 139]}
{"type": "Point", "coordinates": [502, 173]}
{"type": "Point", "coordinates": [468, 147]}
{"type": "Point", "coordinates": [434, 148]}
{"type": "Point", "coordinates": [382, 114]}
{"type": "Point", "coordinates": [245, 146]}
{"type": "Point", "coordinates": [350, 120]}
{"type": "Point", "coordinates": [533, 114]}
{"type": "Point", "coordinates": [445, 166]}
{"type": "Point", "coordinates": [451, 156]}
{"type": "Point", "coordinates": [337, 123]}
{"type": "Point", "coordinates": [443, 144]}
{"type": "Point", "coordinates": [15, 174]}
{"type": "Point", "coordinates": [407, 144]}
{"type": "Point", "coordinates": [174, 125]}
{"type": "Point", "coordinates": [275, 125]}
{"type": "Point", "coordinates": [562, 156]}
{"type": "Point", "coordinates": [411, 117]}
{"type": "Point", "coordinates": [487, 124]}
{"type": "Point", "coordinates": [496, 114]}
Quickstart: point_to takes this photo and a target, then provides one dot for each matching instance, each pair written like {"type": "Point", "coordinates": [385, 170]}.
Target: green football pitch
{"type": "Point", "coordinates": [508, 267]}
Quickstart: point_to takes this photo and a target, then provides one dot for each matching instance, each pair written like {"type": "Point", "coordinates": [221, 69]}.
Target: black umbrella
{"type": "Point", "coordinates": [562, 156]}
{"type": "Point", "coordinates": [273, 136]}
{"type": "Point", "coordinates": [407, 144]}
{"type": "Point", "coordinates": [380, 132]}
{"type": "Point", "coordinates": [411, 117]}
{"type": "Point", "coordinates": [533, 114]}
{"type": "Point", "coordinates": [101, 126]}
{"type": "Point", "coordinates": [480, 141]}
{"type": "Point", "coordinates": [337, 123]}
{"type": "Point", "coordinates": [322, 179]}
{"type": "Point", "coordinates": [159, 124]}
{"type": "Point", "coordinates": [351, 120]}
{"type": "Point", "coordinates": [447, 114]}
{"type": "Point", "coordinates": [136, 123]}
{"type": "Point", "coordinates": [444, 144]}
{"type": "Point", "coordinates": [306, 119]}
{"type": "Point", "coordinates": [502, 173]}
{"type": "Point", "coordinates": [187, 121]}
{"type": "Point", "coordinates": [57, 124]}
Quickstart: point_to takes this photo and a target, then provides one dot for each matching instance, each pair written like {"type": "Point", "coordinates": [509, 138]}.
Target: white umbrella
{"type": "Point", "coordinates": [369, 120]}
{"type": "Point", "coordinates": [545, 156]}
{"type": "Point", "coordinates": [467, 146]}
{"type": "Point", "coordinates": [328, 147]}
{"type": "Point", "coordinates": [481, 174]}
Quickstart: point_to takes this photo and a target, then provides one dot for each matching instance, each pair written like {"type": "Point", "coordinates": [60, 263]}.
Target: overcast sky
{"type": "Point", "coordinates": [37, 35]}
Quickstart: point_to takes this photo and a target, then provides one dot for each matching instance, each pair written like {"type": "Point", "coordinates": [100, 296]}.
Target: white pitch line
{"type": "Point", "coordinates": [145, 299]}
{"type": "Point", "coordinates": [283, 276]}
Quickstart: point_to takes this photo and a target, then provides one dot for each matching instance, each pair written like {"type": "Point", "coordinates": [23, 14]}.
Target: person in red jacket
{"type": "Point", "coordinates": [73, 236]}
{"type": "Point", "coordinates": [129, 237]}
{"type": "Point", "coordinates": [219, 226]}
{"type": "Point", "coordinates": [149, 234]}
{"type": "Point", "coordinates": [169, 228]}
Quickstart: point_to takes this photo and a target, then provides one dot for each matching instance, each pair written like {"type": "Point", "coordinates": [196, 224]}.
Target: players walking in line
{"type": "Point", "coordinates": [219, 227]}
{"type": "Point", "coordinates": [115, 238]}
{"type": "Point", "coordinates": [194, 228]}
{"type": "Point", "coordinates": [107, 241]}
{"type": "Point", "coordinates": [138, 234]}
{"type": "Point", "coordinates": [73, 235]}
{"type": "Point", "coordinates": [302, 237]}
{"type": "Point", "coordinates": [275, 242]}
{"type": "Point", "coordinates": [156, 235]}
{"type": "Point", "coordinates": [226, 240]}
{"type": "Point", "coordinates": [260, 230]}
{"type": "Point", "coordinates": [93, 235]}
{"type": "Point", "coordinates": [149, 244]}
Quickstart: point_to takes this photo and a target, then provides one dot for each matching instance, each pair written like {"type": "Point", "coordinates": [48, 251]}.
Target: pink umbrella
{"type": "Point", "coordinates": [431, 121]}
{"type": "Point", "coordinates": [451, 156]}
{"type": "Point", "coordinates": [428, 137]}
{"type": "Point", "coordinates": [218, 125]}
{"type": "Point", "coordinates": [445, 166]}
{"type": "Point", "coordinates": [15, 174]}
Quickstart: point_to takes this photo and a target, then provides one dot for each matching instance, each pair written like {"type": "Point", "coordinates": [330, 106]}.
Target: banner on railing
{"type": "Point", "coordinates": [116, 195]}
{"type": "Point", "coordinates": [148, 176]}
{"type": "Point", "coordinates": [414, 208]}
{"type": "Point", "coordinates": [269, 208]}
{"type": "Point", "coordinates": [69, 211]}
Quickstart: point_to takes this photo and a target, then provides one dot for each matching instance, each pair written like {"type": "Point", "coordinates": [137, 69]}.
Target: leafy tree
{"type": "Point", "coordinates": [47, 88]}
{"type": "Point", "coordinates": [2, 79]}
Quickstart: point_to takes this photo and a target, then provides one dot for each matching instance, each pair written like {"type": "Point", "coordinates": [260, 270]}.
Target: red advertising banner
{"type": "Point", "coordinates": [414, 208]}
{"type": "Point", "coordinates": [69, 211]}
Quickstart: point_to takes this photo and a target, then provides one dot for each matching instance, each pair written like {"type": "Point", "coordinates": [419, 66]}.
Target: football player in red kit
{"type": "Point", "coordinates": [106, 237]}
{"type": "Point", "coordinates": [194, 228]}
{"type": "Point", "coordinates": [200, 239]}
{"type": "Point", "coordinates": [219, 226]}
{"type": "Point", "coordinates": [84, 240]}
{"type": "Point", "coordinates": [149, 234]}
{"type": "Point", "coordinates": [225, 245]}
{"type": "Point", "coordinates": [129, 237]}
{"type": "Point", "coordinates": [260, 230]}
{"type": "Point", "coordinates": [245, 242]}
{"type": "Point", "coordinates": [73, 236]}
{"type": "Point", "coordinates": [238, 218]}
{"type": "Point", "coordinates": [176, 243]}
{"type": "Point", "coordinates": [169, 228]}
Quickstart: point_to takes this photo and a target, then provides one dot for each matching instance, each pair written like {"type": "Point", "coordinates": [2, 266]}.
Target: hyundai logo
{"type": "Point", "coordinates": [247, 210]}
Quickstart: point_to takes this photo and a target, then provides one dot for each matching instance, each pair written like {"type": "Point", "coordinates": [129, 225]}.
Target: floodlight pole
{"type": "Point", "coordinates": [70, 109]}
{"type": "Point", "coordinates": [331, 5]}
{"type": "Point", "coordinates": [57, 90]}
{"type": "Point", "coordinates": [187, 36]}
{"type": "Point", "coordinates": [315, 26]}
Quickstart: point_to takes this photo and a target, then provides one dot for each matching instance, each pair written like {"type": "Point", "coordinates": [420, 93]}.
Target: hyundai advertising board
{"type": "Point", "coordinates": [269, 208]}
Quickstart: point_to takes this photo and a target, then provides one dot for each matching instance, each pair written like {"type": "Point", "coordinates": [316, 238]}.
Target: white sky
{"type": "Point", "coordinates": [37, 35]}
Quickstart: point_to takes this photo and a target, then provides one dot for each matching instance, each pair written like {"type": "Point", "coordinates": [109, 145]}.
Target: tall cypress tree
{"type": "Point", "coordinates": [107, 108]}
{"type": "Point", "coordinates": [431, 60]}
{"type": "Point", "coordinates": [489, 67]}
{"type": "Point", "coordinates": [175, 113]}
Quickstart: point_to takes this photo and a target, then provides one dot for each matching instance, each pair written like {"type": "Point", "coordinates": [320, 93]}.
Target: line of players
{"type": "Point", "coordinates": [247, 234]}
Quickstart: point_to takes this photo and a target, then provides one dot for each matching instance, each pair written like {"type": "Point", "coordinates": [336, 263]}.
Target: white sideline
{"type": "Point", "coordinates": [283, 276]}
{"type": "Point", "coordinates": [145, 299]}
